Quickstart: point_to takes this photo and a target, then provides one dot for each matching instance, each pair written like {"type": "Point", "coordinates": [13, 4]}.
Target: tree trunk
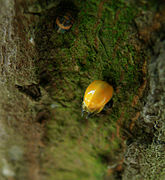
{"type": "Point", "coordinates": [43, 77]}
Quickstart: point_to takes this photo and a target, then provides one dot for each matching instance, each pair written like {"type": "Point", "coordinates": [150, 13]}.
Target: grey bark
{"type": "Point", "coordinates": [19, 133]}
{"type": "Point", "coordinates": [145, 157]}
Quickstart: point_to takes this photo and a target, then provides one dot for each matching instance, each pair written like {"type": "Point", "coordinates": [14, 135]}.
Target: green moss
{"type": "Point", "coordinates": [99, 46]}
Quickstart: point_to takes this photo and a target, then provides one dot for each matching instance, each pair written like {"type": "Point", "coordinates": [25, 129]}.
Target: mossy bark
{"type": "Point", "coordinates": [43, 78]}
{"type": "Point", "coordinates": [145, 157]}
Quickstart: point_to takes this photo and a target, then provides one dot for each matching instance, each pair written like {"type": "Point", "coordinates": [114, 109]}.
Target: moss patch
{"type": "Point", "coordinates": [102, 45]}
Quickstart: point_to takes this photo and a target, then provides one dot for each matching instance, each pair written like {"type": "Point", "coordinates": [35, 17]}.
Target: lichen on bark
{"type": "Point", "coordinates": [144, 158]}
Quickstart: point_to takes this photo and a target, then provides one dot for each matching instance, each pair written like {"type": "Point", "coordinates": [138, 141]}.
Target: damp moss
{"type": "Point", "coordinates": [102, 45]}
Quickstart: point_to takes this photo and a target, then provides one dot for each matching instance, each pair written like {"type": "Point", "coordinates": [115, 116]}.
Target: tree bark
{"type": "Point", "coordinates": [28, 96]}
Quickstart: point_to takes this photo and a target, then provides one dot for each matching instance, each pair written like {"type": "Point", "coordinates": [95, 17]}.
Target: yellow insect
{"type": "Point", "coordinates": [97, 95]}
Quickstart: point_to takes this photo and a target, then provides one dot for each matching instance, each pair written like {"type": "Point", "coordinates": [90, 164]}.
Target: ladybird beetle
{"type": "Point", "coordinates": [97, 95]}
{"type": "Point", "coordinates": [64, 22]}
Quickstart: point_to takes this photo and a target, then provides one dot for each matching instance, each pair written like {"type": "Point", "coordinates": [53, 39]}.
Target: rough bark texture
{"type": "Point", "coordinates": [19, 132]}
{"type": "Point", "coordinates": [43, 76]}
{"type": "Point", "coordinates": [145, 157]}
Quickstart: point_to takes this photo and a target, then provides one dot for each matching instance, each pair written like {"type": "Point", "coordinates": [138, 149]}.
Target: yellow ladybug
{"type": "Point", "coordinates": [97, 95]}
